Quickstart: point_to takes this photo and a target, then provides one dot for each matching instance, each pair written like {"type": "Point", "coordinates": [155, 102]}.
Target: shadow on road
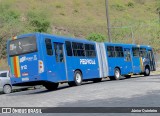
{"type": "Point", "coordinates": [66, 86]}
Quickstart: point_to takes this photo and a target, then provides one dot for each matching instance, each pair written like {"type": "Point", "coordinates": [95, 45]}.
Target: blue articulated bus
{"type": "Point", "coordinates": [46, 59]}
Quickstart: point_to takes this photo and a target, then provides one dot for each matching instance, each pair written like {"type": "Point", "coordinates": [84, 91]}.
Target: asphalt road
{"type": "Point", "coordinates": [137, 91]}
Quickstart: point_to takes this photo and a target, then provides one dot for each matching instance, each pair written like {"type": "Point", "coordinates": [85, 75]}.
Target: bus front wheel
{"type": "Point", "coordinates": [51, 86]}
{"type": "Point", "coordinates": [147, 71]}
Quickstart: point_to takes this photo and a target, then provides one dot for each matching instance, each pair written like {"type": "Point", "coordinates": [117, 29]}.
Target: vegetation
{"type": "Point", "coordinates": [131, 20]}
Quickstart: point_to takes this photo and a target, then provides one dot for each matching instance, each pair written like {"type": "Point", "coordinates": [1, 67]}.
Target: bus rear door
{"type": "Point", "coordinates": [128, 60]}
{"type": "Point", "coordinates": [55, 61]}
{"type": "Point", "coordinates": [59, 66]}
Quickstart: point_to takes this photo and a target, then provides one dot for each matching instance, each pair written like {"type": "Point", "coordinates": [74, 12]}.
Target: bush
{"type": "Point", "coordinates": [96, 37]}
{"type": "Point", "coordinates": [130, 4]}
{"type": "Point", "coordinates": [39, 21]}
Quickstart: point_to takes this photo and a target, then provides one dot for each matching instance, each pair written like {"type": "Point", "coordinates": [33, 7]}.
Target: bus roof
{"type": "Point", "coordinates": [80, 39]}
{"type": "Point", "coordinates": [122, 44]}
{"type": "Point", "coordinates": [57, 36]}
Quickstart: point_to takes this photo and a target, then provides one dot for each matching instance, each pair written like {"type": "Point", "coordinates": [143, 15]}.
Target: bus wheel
{"type": "Point", "coordinates": [77, 79]}
{"type": "Point", "coordinates": [97, 80]}
{"type": "Point", "coordinates": [117, 74]}
{"type": "Point", "coordinates": [7, 89]}
{"type": "Point", "coordinates": [147, 71]}
{"type": "Point", "coordinates": [51, 86]}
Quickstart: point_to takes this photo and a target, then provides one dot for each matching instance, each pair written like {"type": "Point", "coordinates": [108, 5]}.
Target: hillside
{"type": "Point", "coordinates": [131, 20]}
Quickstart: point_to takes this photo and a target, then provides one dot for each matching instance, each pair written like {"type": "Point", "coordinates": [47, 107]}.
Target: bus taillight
{"type": "Point", "coordinates": [41, 66]}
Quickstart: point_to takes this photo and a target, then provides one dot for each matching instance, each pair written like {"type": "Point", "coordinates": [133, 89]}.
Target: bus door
{"type": "Point", "coordinates": [136, 60]}
{"type": "Point", "coordinates": [151, 60]}
{"type": "Point", "coordinates": [59, 66]}
{"type": "Point", "coordinates": [128, 60]}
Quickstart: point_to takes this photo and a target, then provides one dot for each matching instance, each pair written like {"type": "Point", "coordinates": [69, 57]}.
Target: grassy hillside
{"type": "Point", "coordinates": [131, 20]}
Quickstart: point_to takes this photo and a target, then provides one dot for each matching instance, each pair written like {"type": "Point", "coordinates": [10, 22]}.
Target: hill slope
{"type": "Point", "coordinates": [131, 20]}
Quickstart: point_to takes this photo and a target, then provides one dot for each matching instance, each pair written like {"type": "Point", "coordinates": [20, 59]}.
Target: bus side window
{"type": "Point", "coordinates": [56, 52]}
{"type": "Point", "coordinates": [111, 52]}
{"type": "Point", "coordinates": [119, 51]}
{"type": "Point", "coordinates": [49, 47]}
{"type": "Point", "coordinates": [61, 57]}
{"type": "Point", "coordinates": [143, 52]}
{"type": "Point", "coordinates": [127, 54]}
{"type": "Point", "coordinates": [78, 49]}
{"type": "Point", "coordinates": [90, 50]}
{"type": "Point", "coordinates": [68, 48]}
{"type": "Point", "coordinates": [135, 51]}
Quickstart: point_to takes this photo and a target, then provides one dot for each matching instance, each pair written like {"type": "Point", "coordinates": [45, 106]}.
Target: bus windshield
{"type": "Point", "coordinates": [22, 46]}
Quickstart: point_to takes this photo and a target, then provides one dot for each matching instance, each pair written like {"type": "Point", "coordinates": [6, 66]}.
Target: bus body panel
{"type": "Point", "coordinates": [20, 66]}
{"type": "Point", "coordinates": [87, 65]}
{"type": "Point", "coordinates": [119, 62]}
{"type": "Point", "coordinates": [55, 70]}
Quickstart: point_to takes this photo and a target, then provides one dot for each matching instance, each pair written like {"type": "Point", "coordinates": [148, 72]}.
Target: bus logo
{"type": "Point", "coordinates": [87, 61]}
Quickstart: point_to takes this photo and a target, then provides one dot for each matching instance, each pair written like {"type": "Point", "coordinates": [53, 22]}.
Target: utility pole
{"type": "Point", "coordinates": [108, 22]}
{"type": "Point", "coordinates": [159, 16]}
{"type": "Point", "coordinates": [133, 41]}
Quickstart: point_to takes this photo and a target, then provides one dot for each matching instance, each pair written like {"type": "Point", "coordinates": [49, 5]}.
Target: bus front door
{"type": "Point", "coordinates": [136, 60]}
{"type": "Point", "coordinates": [151, 60]}
{"type": "Point", "coordinates": [59, 66]}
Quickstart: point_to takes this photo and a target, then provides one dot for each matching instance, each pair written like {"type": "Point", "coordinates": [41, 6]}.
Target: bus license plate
{"type": "Point", "coordinates": [25, 79]}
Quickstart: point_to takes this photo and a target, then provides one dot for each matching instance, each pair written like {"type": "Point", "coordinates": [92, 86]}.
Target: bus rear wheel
{"type": "Point", "coordinates": [77, 79]}
{"type": "Point", "coordinates": [51, 86]}
{"type": "Point", "coordinates": [147, 71]}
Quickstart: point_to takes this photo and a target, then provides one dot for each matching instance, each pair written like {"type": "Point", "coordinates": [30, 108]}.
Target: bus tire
{"type": "Point", "coordinates": [96, 80]}
{"type": "Point", "coordinates": [117, 74]}
{"type": "Point", "coordinates": [51, 86]}
{"type": "Point", "coordinates": [77, 79]}
{"type": "Point", "coordinates": [7, 89]}
{"type": "Point", "coordinates": [147, 71]}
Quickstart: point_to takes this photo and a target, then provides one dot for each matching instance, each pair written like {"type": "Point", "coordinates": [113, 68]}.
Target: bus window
{"type": "Point", "coordinates": [110, 50]}
{"type": "Point", "coordinates": [59, 52]}
{"type": "Point", "coordinates": [119, 51]}
{"type": "Point", "coordinates": [127, 54]}
{"type": "Point", "coordinates": [61, 57]}
{"type": "Point", "coordinates": [22, 46]}
{"type": "Point", "coordinates": [68, 48]}
{"type": "Point", "coordinates": [49, 47]}
{"type": "Point", "coordinates": [78, 49]}
{"type": "Point", "coordinates": [143, 52]}
{"type": "Point", "coordinates": [90, 50]}
{"type": "Point", "coordinates": [135, 51]}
